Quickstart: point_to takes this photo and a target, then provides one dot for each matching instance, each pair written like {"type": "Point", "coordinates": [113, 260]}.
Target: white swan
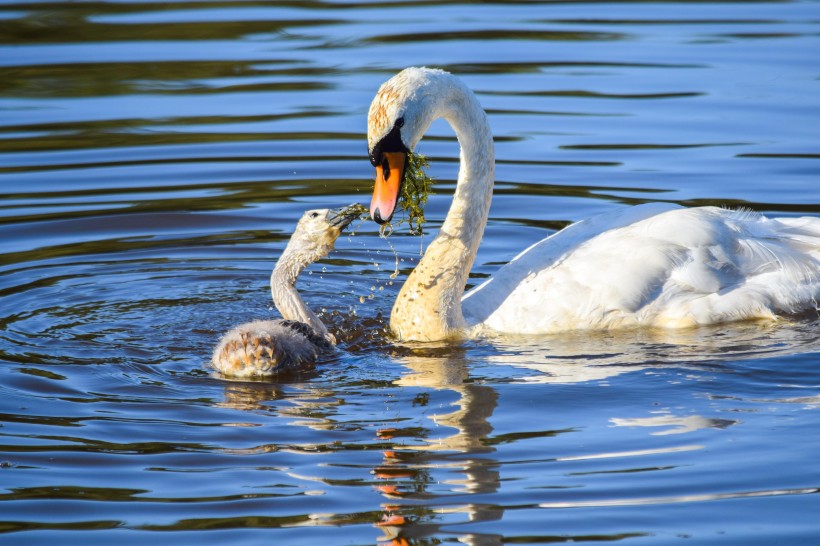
{"type": "Point", "coordinates": [656, 265]}
{"type": "Point", "coordinates": [267, 347]}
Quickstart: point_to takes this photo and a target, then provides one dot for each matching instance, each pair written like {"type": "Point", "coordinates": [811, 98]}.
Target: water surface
{"type": "Point", "coordinates": [154, 158]}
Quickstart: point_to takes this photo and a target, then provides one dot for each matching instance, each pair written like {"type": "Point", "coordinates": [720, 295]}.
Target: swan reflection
{"type": "Point", "coordinates": [674, 424]}
{"type": "Point", "coordinates": [577, 357]}
{"type": "Point", "coordinates": [467, 452]}
{"type": "Point", "coordinates": [573, 358]}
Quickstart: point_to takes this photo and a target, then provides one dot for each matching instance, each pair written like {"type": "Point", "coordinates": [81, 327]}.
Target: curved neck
{"type": "Point", "coordinates": [428, 307]}
{"type": "Point", "coordinates": [283, 290]}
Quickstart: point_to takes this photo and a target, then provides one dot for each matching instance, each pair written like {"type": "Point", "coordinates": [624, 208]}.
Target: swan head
{"type": "Point", "coordinates": [401, 112]}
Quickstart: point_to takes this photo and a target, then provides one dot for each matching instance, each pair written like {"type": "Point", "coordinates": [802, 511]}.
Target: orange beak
{"type": "Point", "coordinates": [389, 175]}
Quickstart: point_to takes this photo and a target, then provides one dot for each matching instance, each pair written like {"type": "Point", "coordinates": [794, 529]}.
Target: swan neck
{"type": "Point", "coordinates": [429, 305]}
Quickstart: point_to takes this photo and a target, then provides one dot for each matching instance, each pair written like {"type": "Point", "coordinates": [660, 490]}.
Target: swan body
{"type": "Point", "coordinates": [652, 265]}
{"type": "Point", "coordinates": [267, 347]}
{"type": "Point", "coordinates": [656, 265]}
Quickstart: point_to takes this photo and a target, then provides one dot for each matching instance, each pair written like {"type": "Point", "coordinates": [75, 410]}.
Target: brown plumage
{"type": "Point", "coordinates": [268, 347]}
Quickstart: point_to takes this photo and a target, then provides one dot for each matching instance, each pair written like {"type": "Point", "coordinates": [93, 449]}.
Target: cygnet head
{"type": "Point", "coordinates": [317, 231]}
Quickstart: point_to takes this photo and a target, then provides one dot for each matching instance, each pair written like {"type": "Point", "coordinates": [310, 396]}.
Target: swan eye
{"type": "Point", "coordinates": [385, 169]}
{"type": "Point", "coordinates": [400, 122]}
{"type": "Point", "coordinates": [314, 215]}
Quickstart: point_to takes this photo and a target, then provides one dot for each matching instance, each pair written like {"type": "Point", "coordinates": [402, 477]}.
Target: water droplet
{"type": "Point", "coordinates": [361, 299]}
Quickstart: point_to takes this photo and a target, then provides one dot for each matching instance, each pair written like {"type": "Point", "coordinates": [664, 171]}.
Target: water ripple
{"type": "Point", "coordinates": [154, 157]}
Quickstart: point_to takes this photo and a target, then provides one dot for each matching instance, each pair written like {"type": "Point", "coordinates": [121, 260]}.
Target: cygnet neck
{"type": "Point", "coordinates": [286, 298]}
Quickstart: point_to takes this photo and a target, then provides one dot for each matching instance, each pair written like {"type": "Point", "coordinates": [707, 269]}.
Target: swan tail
{"type": "Point", "coordinates": [803, 233]}
{"type": "Point", "coordinates": [771, 268]}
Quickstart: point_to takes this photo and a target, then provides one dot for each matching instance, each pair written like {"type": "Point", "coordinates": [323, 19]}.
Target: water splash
{"type": "Point", "coordinates": [385, 231]}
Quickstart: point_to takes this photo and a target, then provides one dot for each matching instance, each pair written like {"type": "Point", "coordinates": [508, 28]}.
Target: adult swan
{"type": "Point", "coordinates": [656, 265]}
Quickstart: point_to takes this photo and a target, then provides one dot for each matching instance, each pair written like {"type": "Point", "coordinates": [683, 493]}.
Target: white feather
{"type": "Point", "coordinates": [654, 265]}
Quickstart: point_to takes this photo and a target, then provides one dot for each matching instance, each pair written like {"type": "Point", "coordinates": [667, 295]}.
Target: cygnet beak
{"type": "Point", "coordinates": [342, 217]}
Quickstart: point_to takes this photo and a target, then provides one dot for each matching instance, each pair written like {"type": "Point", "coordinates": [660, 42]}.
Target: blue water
{"type": "Point", "coordinates": [154, 158]}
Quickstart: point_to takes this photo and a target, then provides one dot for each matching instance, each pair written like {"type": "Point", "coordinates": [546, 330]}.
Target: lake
{"type": "Point", "coordinates": [154, 158]}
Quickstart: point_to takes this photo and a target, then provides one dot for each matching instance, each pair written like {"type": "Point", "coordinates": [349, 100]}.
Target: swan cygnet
{"type": "Point", "coordinates": [268, 347]}
{"type": "Point", "coordinates": [656, 265]}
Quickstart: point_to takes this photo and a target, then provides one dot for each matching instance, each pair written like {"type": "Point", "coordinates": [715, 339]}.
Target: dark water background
{"type": "Point", "coordinates": [154, 157]}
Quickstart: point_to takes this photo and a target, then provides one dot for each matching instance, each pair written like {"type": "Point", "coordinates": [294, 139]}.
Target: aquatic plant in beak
{"type": "Point", "coordinates": [415, 189]}
{"type": "Point", "coordinates": [343, 217]}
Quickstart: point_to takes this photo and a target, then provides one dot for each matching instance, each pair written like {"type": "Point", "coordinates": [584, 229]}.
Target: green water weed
{"type": "Point", "coordinates": [415, 190]}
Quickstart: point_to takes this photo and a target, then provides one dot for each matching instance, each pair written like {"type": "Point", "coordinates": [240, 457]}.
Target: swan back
{"type": "Point", "coordinates": [655, 265]}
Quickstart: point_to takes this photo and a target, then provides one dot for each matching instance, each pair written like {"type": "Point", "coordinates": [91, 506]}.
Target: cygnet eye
{"type": "Point", "coordinates": [314, 215]}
